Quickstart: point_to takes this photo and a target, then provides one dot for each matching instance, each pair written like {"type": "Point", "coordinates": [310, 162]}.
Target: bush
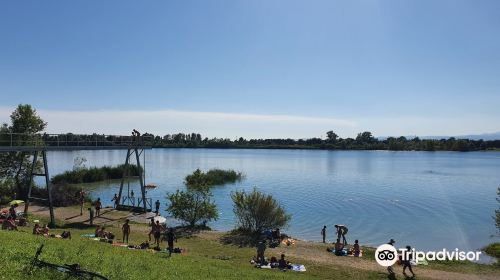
{"type": "Point", "coordinates": [94, 174]}
{"type": "Point", "coordinates": [257, 211]}
{"type": "Point", "coordinates": [192, 206]}
{"type": "Point", "coordinates": [212, 178]}
{"type": "Point", "coordinates": [62, 195]}
{"type": "Point", "coordinates": [494, 251]}
{"type": "Point", "coordinates": [7, 191]}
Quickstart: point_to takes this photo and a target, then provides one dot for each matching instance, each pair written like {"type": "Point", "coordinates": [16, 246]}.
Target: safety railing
{"type": "Point", "coordinates": [14, 140]}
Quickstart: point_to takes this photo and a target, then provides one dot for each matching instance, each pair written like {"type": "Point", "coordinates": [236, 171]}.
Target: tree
{"type": "Point", "coordinates": [257, 211]}
{"type": "Point", "coordinates": [332, 136]}
{"type": "Point", "coordinates": [365, 138]}
{"type": "Point", "coordinates": [16, 165]}
{"type": "Point", "coordinates": [192, 206]}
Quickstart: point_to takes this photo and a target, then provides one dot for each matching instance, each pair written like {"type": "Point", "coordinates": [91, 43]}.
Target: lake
{"type": "Point", "coordinates": [430, 200]}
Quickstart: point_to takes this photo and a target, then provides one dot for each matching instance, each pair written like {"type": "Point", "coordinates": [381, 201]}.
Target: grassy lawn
{"type": "Point", "coordinates": [204, 259]}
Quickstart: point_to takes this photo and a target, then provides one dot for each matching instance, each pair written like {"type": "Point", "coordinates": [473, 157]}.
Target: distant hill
{"type": "Point", "coordinates": [484, 136]}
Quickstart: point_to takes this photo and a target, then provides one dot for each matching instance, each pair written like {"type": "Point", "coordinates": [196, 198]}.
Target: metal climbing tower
{"type": "Point", "coordinates": [37, 145]}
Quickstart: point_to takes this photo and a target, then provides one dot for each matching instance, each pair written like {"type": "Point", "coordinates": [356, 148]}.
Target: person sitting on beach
{"type": "Point", "coordinates": [100, 232]}
{"type": "Point", "coordinates": [12, 211]}
{"type": "Point", "coordinates": [22, 222]}
{"type": "Point", "coordinates": [37, 229]}
{"type": "Point", "coordinates": [282, 263]}
{"type": "Point", "coordinates": [45, 230]}
{"type": "Point", "coordinates": [273, 262]}
{"type": "Point", "coordinates": [144, 245]}
{"type": "Point", "coordinates": [9, 224]}
{"type": "Point", "coordinates": [97, 231]}
{"type": "Point", "coordinates": [339, 248]}
{"type": "Point", "coordinates": [66, 235]}
{"type": "Point", "coordinates": [355, 250]}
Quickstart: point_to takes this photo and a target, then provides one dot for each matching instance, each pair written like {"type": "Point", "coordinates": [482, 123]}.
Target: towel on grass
{"type": "Point", "coordinates": [298, 267]}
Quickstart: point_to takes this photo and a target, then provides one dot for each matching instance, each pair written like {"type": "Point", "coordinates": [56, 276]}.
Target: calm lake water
{"type": "Point", "coordinates": [430, 200]}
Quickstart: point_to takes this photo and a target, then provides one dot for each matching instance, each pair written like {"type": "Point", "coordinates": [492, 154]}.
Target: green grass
{"type": "Point", "coordinates": [204, 260]}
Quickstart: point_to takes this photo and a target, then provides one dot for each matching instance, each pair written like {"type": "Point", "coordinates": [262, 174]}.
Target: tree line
{"type": "Point", "coordinates": [332, 141]}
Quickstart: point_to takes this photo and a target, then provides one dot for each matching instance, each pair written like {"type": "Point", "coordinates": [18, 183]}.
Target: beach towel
{"type": "Point", "coordinates": [267, 266]}
{"type": "Point", "coordinates": [332, 250]}
{"type": "Point", "coordinates": [298, 267]}
{"type": "Point", "coordinates": [359, 256]}
{"type": "Point", "coordinates": [88, 235]}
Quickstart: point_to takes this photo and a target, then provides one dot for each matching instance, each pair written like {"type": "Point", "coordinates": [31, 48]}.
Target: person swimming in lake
{"type": "Point", "coordinates": [126, 231]}
{"type": "Point", "coordinates": [341, 232]}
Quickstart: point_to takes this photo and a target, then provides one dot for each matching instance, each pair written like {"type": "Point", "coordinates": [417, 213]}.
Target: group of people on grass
{"type": "Point", "coordinates": [10, 220]}
{"type": "Point", "coordinates": [355, 250]}
{"type": "Point", "coordinates": [261, 261]}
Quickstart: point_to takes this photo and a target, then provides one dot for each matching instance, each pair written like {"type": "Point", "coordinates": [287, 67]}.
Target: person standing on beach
{"type": "Point", "coordinates": [157, 206]}
{"type": "Point", "coordinates": [91, 215]}
{"type": "Point", "coordinates": [170, 240]}
{"type": "Point", "coordinates": [341, 232]}
{"type": "Point", "coordinates": [98, 206]}
{"type": "Point", "coordinates": [115, 201]}
{"type": "Point", "coordinates": [389, 268]}
{"type": "Point", "coordinates": [126, 231]}
{"type": "Point", "coordinates": [81, 199]}
{"type": "Point", "coordinates": [261, 249]}
{"type": "Point", "coordinates": [407, 262]}
{"type": "Point", "coordinates": [323, 234]}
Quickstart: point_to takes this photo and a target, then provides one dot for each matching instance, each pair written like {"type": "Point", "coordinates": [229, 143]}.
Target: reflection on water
{"type": "Point", "coordinates": [424, 199]}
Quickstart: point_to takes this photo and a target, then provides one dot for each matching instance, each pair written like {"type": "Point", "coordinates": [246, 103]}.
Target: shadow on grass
{"type": "Point", "coordinates": [76, 225]}
{"type": "Point", "coordinates": [240, 238]}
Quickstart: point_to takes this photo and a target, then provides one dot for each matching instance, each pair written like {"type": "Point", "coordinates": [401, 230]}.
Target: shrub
{"type": "Point", "coordinates": [192, 206]}
{"type": "Point", "coordinates": [62, 195]}
{"type": "Point", "coordinates": [94, 174]}
{"type": "Point", "coordinates": [212, 178]}
{"type": "Point", "coordinates": [257, 211]}
{"type": "Point", "coordinates": [493, 250]}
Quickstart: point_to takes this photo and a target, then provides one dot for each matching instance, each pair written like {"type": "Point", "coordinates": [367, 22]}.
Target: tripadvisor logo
{"type": "Point", "coordinates": [387, 255]}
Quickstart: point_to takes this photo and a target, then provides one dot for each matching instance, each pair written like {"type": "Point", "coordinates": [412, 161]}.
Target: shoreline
{"type": "Point", "coordinates": [142, 220]}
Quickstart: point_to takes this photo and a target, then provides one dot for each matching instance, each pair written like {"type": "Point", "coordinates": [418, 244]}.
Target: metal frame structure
{"type": "Point", "coordinates": [138, 151]}
{"type": "Point", "coordinates": [37, 144]}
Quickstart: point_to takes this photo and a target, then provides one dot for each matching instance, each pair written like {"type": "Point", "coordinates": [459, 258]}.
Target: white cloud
{"type": "Point", "coordinates": [210, 124]}
{"type": "Point", "coordinates": [232, 125]}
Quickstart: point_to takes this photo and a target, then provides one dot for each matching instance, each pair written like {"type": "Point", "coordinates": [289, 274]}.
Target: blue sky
{"type": "Point", "coordinates": [254, 68]}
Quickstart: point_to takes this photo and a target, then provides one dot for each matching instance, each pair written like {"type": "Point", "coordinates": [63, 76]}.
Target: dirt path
{"type": "Point", "coordinates": [310, 251]}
